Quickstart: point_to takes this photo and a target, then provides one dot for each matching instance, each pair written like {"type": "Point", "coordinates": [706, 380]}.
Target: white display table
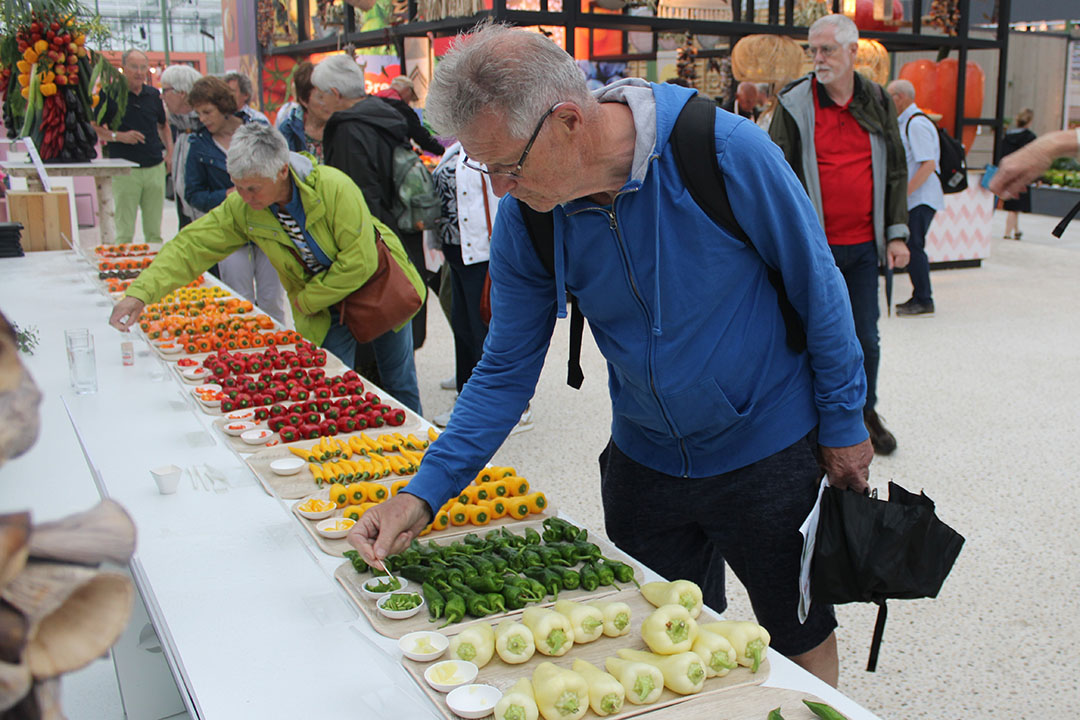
{"type": "Point", "coordinates": [249, 616]}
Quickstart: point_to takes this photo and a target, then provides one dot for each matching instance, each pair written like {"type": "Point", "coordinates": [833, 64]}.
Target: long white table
{"type": "Point", "coordinates": [249, 616]}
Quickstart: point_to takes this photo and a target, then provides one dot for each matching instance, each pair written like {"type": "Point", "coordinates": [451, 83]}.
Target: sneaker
{"type": "Point", "coordinates": [909, 303]}
{"type": "Point", "coordinates": [883, 441]}
{"type": "Point", "coordinates": [449, 383]}
{"type": "Point", "coordinates": [443, 419]}
{"type": "Point", "coordinates": [912, 308]}
{"type": "Point", "coordinates": [524, 424]}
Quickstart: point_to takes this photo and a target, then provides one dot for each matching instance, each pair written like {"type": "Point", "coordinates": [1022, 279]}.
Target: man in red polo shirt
{"type": "Point", "coordinates": [838, 131]}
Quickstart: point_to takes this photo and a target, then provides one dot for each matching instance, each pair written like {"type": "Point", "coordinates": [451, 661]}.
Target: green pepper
{"type": "Point", "coordinates": [434, 599]}
{"type": "Point", "coordinates": [498, 563]}
{"type": "Point", "coordinates": [568, 578]}
{"type": "Point", "coordinates": [476, 604]}
{"type": "Point", "coordinates": [532, 537]}
{"type": "Point", "coordinates": [567, 551]}
{"type": "Point", "coordinates": [483, 565]}
{"type": "Point", "coordinates": [515, 540]}
{"type": "Point", "coordinates": [586, 550]}
{"type": "Point", "coordinates": [775, 715]}
{"type": "Point", "coordinates": [393, 562]}
{"type": "Point", "coordinates": [424, 552]}
{"type": "Point", "coordinates": [516, 597]}
{"type": "Point", "coordinates": [465, 567]}
{"type": "Point", "coordinates": [623, 572]}
{"type": "Point", "coordinates": [590, 579]}
{"type": "Point", "coordinates": [486, 583]}
{"type": "Point", "coordinates": [416, 573]}
{"type": "Point", "coordinates": [551, 582]}
{"type": "Point", "coordinates": [454, 575]}
{"type": "Point", "coordinates": [357, 562]}
{"type": "Point", "coordinates": [823, 711]}
{"type": "Point", "coordinates": [551, 556]}
{"type": "Point", "coordinates": [606, 574]}
{"type": "Point", "coordinates": [455, 609]}
{"type": "Point", "coordinates": [410, 557]}
{"type": "Point", "coordinates": [532, 558]}
{"type": "Point", "coordinates": [560, 529]}
{"type": "Point", "coordinates": [496, 601]}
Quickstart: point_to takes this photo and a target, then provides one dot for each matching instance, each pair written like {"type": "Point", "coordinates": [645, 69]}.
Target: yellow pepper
{"type": "Point", "coordinates": [514, 642]}
{"type": "Point", "coordinates": [516, 486]}
{"type": "Point", "coordinates": [356, 493]}
{"type": "Point", "coordinates": [616, 617]}
{"type": "Point", "coordinates": [679, 592]}
{"type": "Point", "coordinates": [561, 694]}
{"type": "Point", "coordinates": [716, 651]}
{"type": "Point", "coordinates": [459, 514]}
{"type": "Point", "coordinates": [552, 632]}
{"type": "Point", "coordinates": [352, 512]}
{"type": "Point", "coordinates": [48, 89]}
{"type": "Point", "coordinates": [587, 621]}
{"type": "Point", "coordinates": [684, 673]}
{"type": "Point", "coordinates": [519, 702]}
{"type": "Point", "coordinates": [496, 508]}
{"type": "Point", "coordinates": [517, 508]}
{"type": "Point", "coordinates": [339, 495]}
{"type": "Point", "coordinates": [41, 47]}
{"type": "Point", "coordinates": [397, 486]}
{"type": "Point", "coordinates": [375, 492]}
{"type": "Point", "coordinates": [749, 639]}
{"type": "Point", "coordinates": [432, 434]}
{"type": "Point", "coordinates": [478, 515]}
{"type": "Point", "coordinates": [669, 629]}
{"type": "Point", "coordinates": [475, 644]}
{"type": "Point", "coordinates": [537, 502]}
{"type": "Point", "coordinates": [606, 694]}
{"type": "Point", "coordinates": [644, 683]}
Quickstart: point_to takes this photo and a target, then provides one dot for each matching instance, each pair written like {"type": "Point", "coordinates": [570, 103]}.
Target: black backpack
{"type": "Point", "coordinates": [694, 146]}
{"type": "Point", "coordinates": [953, 175]}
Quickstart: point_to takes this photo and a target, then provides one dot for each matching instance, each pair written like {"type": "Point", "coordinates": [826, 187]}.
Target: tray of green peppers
{"type": "Point", "coordinates": [497, 572]}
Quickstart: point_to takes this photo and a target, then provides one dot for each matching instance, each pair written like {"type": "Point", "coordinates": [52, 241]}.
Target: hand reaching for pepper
{"type": "Point", "coordinates": [848, 467]}
{"type": "Point", "coordinates": [389, 527]}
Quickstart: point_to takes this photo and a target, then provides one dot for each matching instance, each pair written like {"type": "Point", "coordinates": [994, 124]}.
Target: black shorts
{"type": "Point", "coordinates": [688, 527]}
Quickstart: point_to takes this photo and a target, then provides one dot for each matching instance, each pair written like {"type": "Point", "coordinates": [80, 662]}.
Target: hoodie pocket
{"type": "Point", "coordinates": [702, 408]}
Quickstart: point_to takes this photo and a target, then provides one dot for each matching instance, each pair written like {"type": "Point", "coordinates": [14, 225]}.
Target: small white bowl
{"type": "Point", "coordinates": [287, 466]}
{"type": "Point", "coordinates": [209, 401]}
{"type": "Point", "coordinates": [408, 643]}
{"type": "Point", "coordinates": [399, 614]}
{"type": "Point", "coordinates": [195, 373]}
{"type": "Point", "coordinates": [256, 436]}
{"type": "Point", "coordinates": [466, 673]}
{"type": "Point", "coordinates": [243, 414]}
{"type": "Point", "coordinates": [333, 534]}
{"type": "Point", "coordinates": [376, 580]}
{"type": "Point", "coordinates": [171, 348]}
{"type": "Point", "coordinates": [318, 514]}
{"type": "Point", "coordinates": [238, 427]}
{"type": "Point", "coordinates": [473, 701]}
{"type": "Point", "coordinates": [206, 387]}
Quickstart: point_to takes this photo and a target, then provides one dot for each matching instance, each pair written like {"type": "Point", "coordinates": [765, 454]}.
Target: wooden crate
{"type": "Point", "coordinates": [46, 218]}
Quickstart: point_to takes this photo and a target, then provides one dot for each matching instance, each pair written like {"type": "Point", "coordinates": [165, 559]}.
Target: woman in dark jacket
{"type": "Point", "coordinates": [1015, 139]}
{"type": "Point", "coordinates": [207, 183]}
{"type": "Point", "coordinates": [303, 128]}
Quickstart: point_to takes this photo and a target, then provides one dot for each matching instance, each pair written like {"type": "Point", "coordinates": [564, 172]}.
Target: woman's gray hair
{"type": "Point", "coordinates": [341, 73]}
{"type": "Point", "coordinates": [180, 77]}
{"type": "Point", "coordinates": [844, 28]}
{"type": "Point", "coordinates": [514, 73]}
{"type": "Point", "coordinates": [256, 150]}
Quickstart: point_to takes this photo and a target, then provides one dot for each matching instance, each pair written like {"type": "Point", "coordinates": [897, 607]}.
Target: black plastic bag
{"type": "Point", "coordinates": [870, 550]}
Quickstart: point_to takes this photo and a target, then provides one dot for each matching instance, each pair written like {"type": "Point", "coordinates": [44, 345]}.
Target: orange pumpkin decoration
{"type": "Point", "coordinates": [935, 88]}
{"type": "Point", "coordinates": [864, 16]}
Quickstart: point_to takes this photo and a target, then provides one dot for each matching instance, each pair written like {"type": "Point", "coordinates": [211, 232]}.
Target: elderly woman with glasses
{"type": "Point", "coordinates": [208, 183]}
{"type": "Point", "coordinates": [313, 225]}
{"type": "Point", "coordinates": [176, 83]}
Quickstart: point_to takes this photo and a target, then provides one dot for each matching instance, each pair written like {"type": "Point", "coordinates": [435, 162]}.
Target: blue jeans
{"type": "Point", "coordinates": [393, 355]}
{"type": "Point", "coordinates": [919, 219]}
{"type": "Point", "coordinates": [859, 266]}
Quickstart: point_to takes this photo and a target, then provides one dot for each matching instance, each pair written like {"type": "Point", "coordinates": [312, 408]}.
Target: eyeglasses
{"type": "Point", "coordinates": [516, 171]}
{"type": "Point", "coordinates": [826, 50]}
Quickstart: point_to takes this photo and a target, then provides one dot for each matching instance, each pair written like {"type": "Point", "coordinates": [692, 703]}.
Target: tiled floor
{"type": "Point", "coordinates": [983, 400]}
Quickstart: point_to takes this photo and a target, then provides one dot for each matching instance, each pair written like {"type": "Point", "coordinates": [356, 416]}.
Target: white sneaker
{"type": "Point", "coordinates": [443, 419]}
{"type": "Point", "coordinates": [449, 383]}
{"type": "Point", "coordinates": [524, 424]}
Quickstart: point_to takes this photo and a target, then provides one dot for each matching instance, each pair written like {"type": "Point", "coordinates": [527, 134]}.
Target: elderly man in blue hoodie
{"type": "Point", "coordinates": [709, 401]}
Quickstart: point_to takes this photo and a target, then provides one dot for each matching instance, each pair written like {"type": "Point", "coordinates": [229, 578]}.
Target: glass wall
{"type": "Point", "coordinates": [191, 25]}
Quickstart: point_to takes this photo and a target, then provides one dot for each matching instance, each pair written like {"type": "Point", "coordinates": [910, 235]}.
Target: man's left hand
{"type": "Point", "coordinates": [848, 467]}
{"type": "Point", "coordinates": [897, 254]}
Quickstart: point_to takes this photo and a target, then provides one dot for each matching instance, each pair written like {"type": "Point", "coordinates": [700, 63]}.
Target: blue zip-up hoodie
{"type": "Point", "coordinates": [700, 375]}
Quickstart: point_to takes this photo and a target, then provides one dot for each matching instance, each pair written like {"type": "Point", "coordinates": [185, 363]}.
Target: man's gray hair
{"type": "Point", "coordinates": [844, 29]}
{"type": "Point", "coordinates": [243, 82]}
{"type": "Point", "coordinates": [904, 87]}
{"type": "Point", "coordinates": [256, 150]}
{"type": "Point", "coordinates": [341, 73]}
{"type": "Point", "coordinates": [129, 52]}
{"type": "Point", "coordinates": [180, 77]}
{"type": "Point", "coordinates": [516, 74]}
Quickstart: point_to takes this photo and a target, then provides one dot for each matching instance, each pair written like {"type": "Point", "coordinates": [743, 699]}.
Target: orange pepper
{"type": "Point", "coordinates": [459, 514]}
{"type": "Point", "coordinates": [478, 515]}
{"type": "Point", "coordinates": [518, 508]}
{"type": "Point", "coordinates": [537, 502]}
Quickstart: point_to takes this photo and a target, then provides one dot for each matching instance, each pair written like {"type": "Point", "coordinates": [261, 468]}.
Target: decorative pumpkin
{"type": "Point", "coordinates": [864, 16]}
{"type": "Point", "coordinates": [766, 58]}
{"type": "Point", "coordinates": [872, 60]}
{"type": "Point", "coordinates": [935, 89]}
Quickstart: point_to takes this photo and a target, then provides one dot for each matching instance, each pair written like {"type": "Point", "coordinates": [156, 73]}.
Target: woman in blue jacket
{"type": "Point", "coordinates": [207, 183]}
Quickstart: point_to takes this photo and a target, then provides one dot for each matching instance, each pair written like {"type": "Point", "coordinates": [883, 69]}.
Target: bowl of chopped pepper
{"type": "Point", "coordinates": [376, 587]}
{"type": "Point", "coordinates": [335, 528]}
{"type": "Point", "coordinates": [423, 645]}
{"type": "Point", "coordinates": [446, 675]}
{"type": "Point", "coordinates": [400, 605]}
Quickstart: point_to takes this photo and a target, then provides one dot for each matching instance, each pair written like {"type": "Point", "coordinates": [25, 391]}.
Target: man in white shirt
{"type": "Point", "coordinates": [924, 194]}
{"type": "Point", "coordinates": [242, 90]}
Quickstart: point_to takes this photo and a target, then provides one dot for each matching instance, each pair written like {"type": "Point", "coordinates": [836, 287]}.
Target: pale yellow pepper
{"type": "Point", "coordinates": [560, 694]}
{"type": "Point", "coordinates": [678, 592]}
{"type": "Point", "coordinates": [552, 632]}
{"type": "Point", "coordinates": [587, 621]}
{"type": "Point", "coordinates": [616, 617]}
{"type": "Point", "coordinates": [606, 694]}
{"type": "Point", "coordinates": [669, 630]}
{"type": "Point", "coordinates": [684, 673]}
{"type": "Point", "coordinates": [644, 683]}
{"type": "Point", "coordinates": [514, 642]}
{"type": "Point", "coordinates": [519, 702]}
{"type": "Point", "coordinates": [475, 643]}
{"type": "Point", "coordinates": [749, 639]}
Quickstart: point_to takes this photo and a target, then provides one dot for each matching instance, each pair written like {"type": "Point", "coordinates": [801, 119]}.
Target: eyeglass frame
{"type": "Point", "coordinates": [516, 172]}
{"type": "Point", "coordinates": [825, 50]}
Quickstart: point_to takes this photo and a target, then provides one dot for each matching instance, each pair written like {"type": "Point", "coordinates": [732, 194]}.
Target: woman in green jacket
{"type": "Point", "coordinates": [315, 228]}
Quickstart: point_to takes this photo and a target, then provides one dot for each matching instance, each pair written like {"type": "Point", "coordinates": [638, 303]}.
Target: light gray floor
{"type": "Point", "coordinates": [983, 401]}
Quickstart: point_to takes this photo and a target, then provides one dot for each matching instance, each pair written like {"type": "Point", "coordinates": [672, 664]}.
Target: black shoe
{"type": "Point", "coordinates": [911, 307]}
{"type": "Point", "coordinates": [883, 441]}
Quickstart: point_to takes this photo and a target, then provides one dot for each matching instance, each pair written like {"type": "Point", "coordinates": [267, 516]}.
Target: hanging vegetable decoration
{"type": "Point", "coordinates": [51, 83]}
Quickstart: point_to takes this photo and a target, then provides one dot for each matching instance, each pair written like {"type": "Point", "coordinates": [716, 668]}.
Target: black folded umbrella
{"type": "Point", "coordinates": [869, 550]}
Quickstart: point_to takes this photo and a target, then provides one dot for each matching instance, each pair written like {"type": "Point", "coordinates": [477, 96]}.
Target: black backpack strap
{"type": "Point", "coordinates": [694, 145]}
{"type": "Point", "coordinates": [879, 630]}
{"type": "Point", "coordinates": [541, 228]}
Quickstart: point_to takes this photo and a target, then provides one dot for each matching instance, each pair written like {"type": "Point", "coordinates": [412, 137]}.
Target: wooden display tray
{"type": "Point", "coordinates": [351, 581]}
{"type": "Point", "coordinates": [338, 547]}
{"type": "Point", "coordinates": [501, 675]}
{"type": "Point", "coordinates": [302, 484]}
